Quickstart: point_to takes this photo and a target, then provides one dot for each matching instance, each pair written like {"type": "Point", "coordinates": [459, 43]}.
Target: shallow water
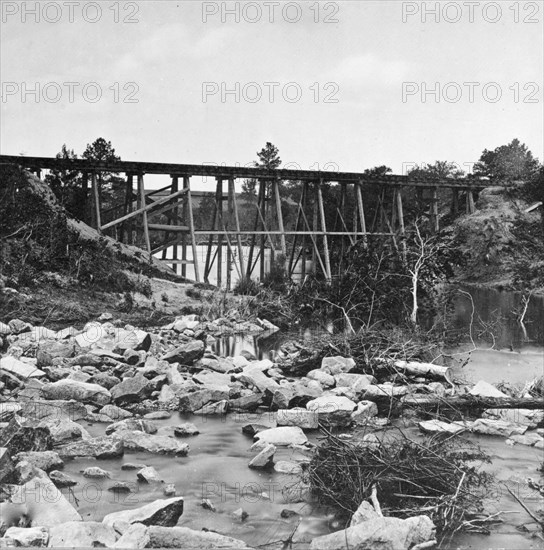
{"type": "Point", "coordinates": [216, 467]}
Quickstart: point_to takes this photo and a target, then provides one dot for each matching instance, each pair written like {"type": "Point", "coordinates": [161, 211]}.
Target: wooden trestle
{"type": "Point", "coordinates": [309, 239]}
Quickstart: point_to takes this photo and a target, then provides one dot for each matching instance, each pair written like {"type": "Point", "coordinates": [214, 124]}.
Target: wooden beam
{"type": "Point", "coordinates": [144, 212]}
{"type": "Point", "coordinates": [276, 188]}
{"type": "Point", "coordinates": [237, 225]}
{"type": "Point", "coordinates": [168, 228]}
{"type": "Point", "coordinates": [96, 202]}
{"type": "Point", "coordinates": [187, 188]}
{"type": "Point", "coordinates": [146, 209]}
{"type": "Point", "coordinates": [328, 274]}
{"type": "Point", "coordinates": [219, 202]}
{"type": "Point", "coordinates": [400, 213]}
{"type": "Point", "coordinates": [360, 208]}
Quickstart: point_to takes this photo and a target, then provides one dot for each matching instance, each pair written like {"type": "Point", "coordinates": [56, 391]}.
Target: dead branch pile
{"type": "Point", "coordinates": [439, 478]}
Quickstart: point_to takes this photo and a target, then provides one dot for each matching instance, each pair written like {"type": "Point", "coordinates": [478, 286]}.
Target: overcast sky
{"type": "Point", "coordinates": [339, 71]}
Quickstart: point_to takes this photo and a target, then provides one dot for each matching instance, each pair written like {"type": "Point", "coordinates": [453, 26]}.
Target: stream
{"type": "Point", "coordinates": [216, 467]}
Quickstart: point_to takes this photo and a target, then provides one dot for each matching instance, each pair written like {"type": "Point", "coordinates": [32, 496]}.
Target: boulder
{"type": "Point", "coordinates": [185, 354]}
{"type": "Point", "coordinates": [264, 459]}
{"type": "Point", "coordinates": [210, 409]}
{"type": "Point", "coordinates": [485, 389]}
{"type": "Point", "coordinates": [136, 536]}
{"type": "Point", "coordinates": [326, 380]}
{"type": "Point", "coordinates": [131, 390]}
{"type": "Point", "coordinates": [44, 460]}
{"type": "Point", "coordinates": [136, 424]}
{"type": "Point", "coordinates": [486, 426]}
{"type": "Point", "coordinates": [115, 412]}
{"type": "Point", "coordinates": [95, 471]}
{"type": "Point", "coordinates": [438, 426]}
{"type": "Point", "coordinates": [532, 439]}
{"type": "Point", "coordinates": [288, 467]}
{"type": "Point", "coordinates": [337, 365]}
{"type": "Point", "coordinates": [248, 402]}
{"type": "Point", "coordinates": [46, 505]}
{"type": "Point", "coordinates": [149, 475]}
{"type": "Point", "coordinates": [183, 537]}
{"type": "Point", "coordinates": [41, 410]}
{"type": "Point", "coordinates": [63, 430]}
{"type": "Point", "coordinates": [20, 436]}
{"type": "Point", "coordinates": [365, 512]}
{"type": "Point", "coordinates": [105, 380]}
{"type": "Point", "coordinates": [88, 534]}
{"type": "Point", "coordinates": [18, 368]}
{"type": "Point", "coordinates": [186, 430]}
{"type": "Point", "coordinates": [379, 534]}
{"type": "Point", "coordinates": [164, 512]}
{"type": "Point", "coordinates": [78, 391]}
{"type": "Point", "coordinates": [193, 401]}
{"type": "Point", "coordinates": [140, 441]}
{"type": "Point", "coordinates": [253, 376]}
{"type": "Point", "coordinates": [157, 415]}
{"type": "Point", "coordinates": [137, 340]}
{"type": "Point", "coordinates": [60, 479]}
{"type": "Point", "coordinates": [356, 382]}
{"type": "Point", "coordinates": [364, 411]}
{"type": "Point", "coordinates": [96, 447]}
{"type": "Point", "coordinates": [284, 436]}
{"type": "Point", "coordinates": [30, 536]}
{"type": "Point", "coordinates": [307, 420]}
{"type": "Point", "coordinates": [333, 410]}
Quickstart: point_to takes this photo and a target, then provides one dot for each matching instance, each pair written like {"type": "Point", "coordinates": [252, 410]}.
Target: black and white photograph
{"type": "Point", "coordinates": [272, 274]}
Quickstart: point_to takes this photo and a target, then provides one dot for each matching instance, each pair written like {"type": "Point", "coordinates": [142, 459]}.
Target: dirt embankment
{"type": "Point", "coordinates": [57, 270]}
{"type": "Point", "coordinates": [499, 245]}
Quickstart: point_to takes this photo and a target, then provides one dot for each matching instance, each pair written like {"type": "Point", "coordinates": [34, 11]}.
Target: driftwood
{"type": "Point", "coordinates": [471, 402]}
{"type": "Point", "coordinates": [423, 369]}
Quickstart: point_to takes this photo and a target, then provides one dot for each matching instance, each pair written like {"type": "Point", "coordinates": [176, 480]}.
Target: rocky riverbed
{"type": "Point", "coordinates": [114, 436]}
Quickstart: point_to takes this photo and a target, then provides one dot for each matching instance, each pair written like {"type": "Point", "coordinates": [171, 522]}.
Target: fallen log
{"type": "Point", "coordinates": [473, 402]}
{"type": "Point", "coordinates": [416, 368]}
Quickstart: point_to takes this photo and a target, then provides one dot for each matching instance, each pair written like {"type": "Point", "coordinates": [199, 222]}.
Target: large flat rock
{"type": "Point", "coordinates": [164, 512]}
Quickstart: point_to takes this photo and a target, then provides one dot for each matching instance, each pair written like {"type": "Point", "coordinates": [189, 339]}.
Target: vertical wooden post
{"type": "Point", "coordinates": [262, 209]}
{"type": "Point", "coordinates": [470, 202]}
{"type": "Point", "coordinates": [360, 207]}
{"type": "Point", "coordinates": [328, 274]}
{"type": "Point", "coordinates": [85, 207]}
{"type": "Point", "coordinates": [304, 200]}
{"type": "Point", "coordinates": [394, 209]}
{"type": "Point", "coordinates": [435, 220]}
{"type": "Point", "coordinates": [250, 265]}
{"type": "Point", "coordinates": [141, 191]}
{"type": "Point", "coordinates": [283, 245]}
{"type": "Point", "coordinates": [241, 261]}
{"type": "Point", "coordinates": [455, 202]}
{"type": "Point", "coordinates": [400, 214]}
{"type": "Point", "coordinates": [342, 216]}
{"type": "Point", "coordinates": [209, 261]}
{"type": "Point", "coordinates": [126, 231]}
{"type": "Point", "coordinates": [219, 202]}
{"type": "Point", "coordinates": [315, 227]}
{"type": "Point", "coordinates": [188, 198]}
{"type": "Point", "coordinates": [174, 220]}
{"type": "Point", "coordinates": [96, 202]}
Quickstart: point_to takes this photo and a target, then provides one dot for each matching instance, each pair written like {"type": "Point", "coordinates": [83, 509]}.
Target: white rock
{"type": "Point", "coordinates": [438, 426]}
{"type": "Point", "coordinates": [136, 536]}
{"type": "Point", "coordinates": [149, 475]}
{"type": "Point", "coordinates": [46, 505]}
{"type": "Point", "coordinates": [337, 365]}
{"type": "Point", "coordinates": [364, 411]}
{"type": "Point", "coordinates": [20, 369]}
{"type": "Point", "coordinates": [486, 426]}
{"type": "Point", "coordinates": [284, 436]}
{"type": "Point", "coordinates": [85, 534]}
{"type": "Point", "coordinates": [288, 467]}
{"type": "Point", "coordinates": [265, 458]}
{"type": "Point", "coordinates": [325, 379]}
{"type": "Point", "coordinates": [333, 410]}
{"type": "Point", "coordinates": [484, 389]}
{"type": "Point", "coordinates": [183, 537]}
{"type": "Point", "coordinates": [164, 512]}
{"type": "Point", "coordinates": [381, 533]}
{"type": "Point", "coordinates": [31, 536]}
{"type": "Point", "coordinates": [79, 391]}
{"type": "Point", "coordinates": [307, 420]}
